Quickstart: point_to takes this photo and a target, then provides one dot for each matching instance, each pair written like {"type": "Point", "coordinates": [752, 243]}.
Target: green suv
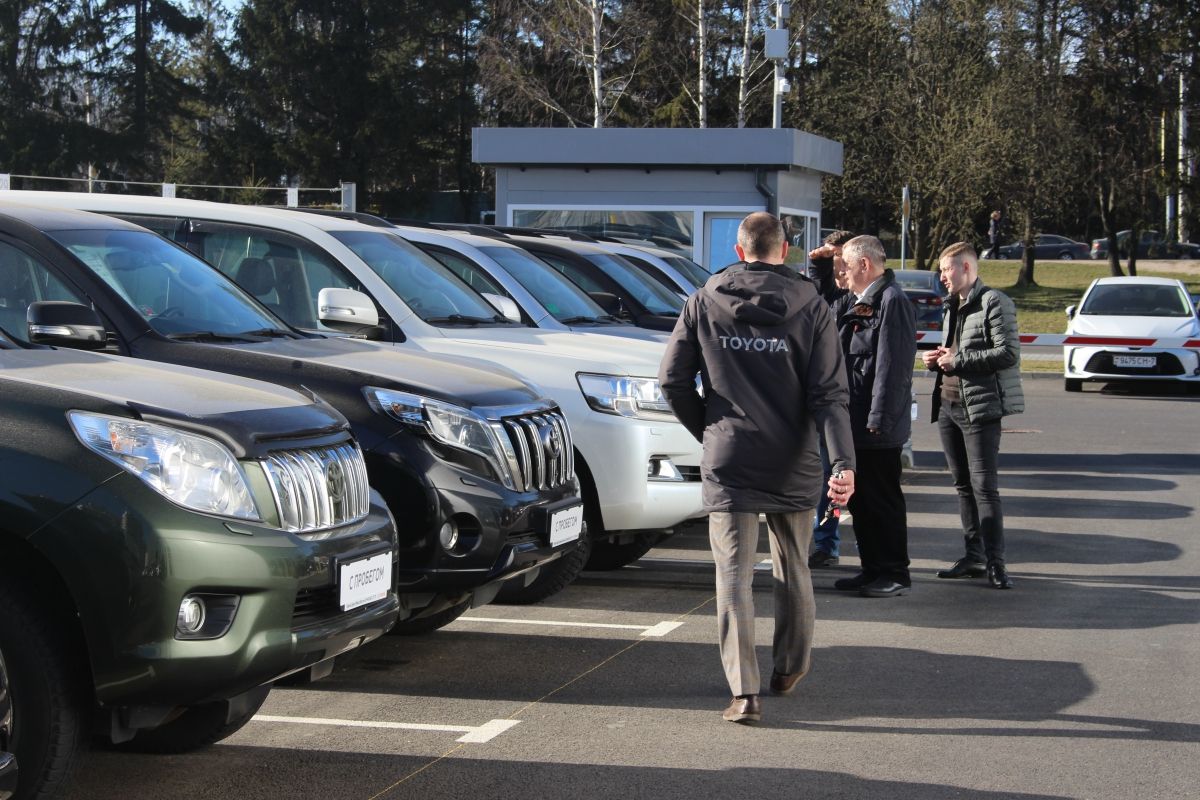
{"type": "Point", "coordinates": [171, 543]}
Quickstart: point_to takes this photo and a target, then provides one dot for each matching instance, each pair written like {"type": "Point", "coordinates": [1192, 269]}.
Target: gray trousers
{"type": "Point", "coordinates": [734, 540]}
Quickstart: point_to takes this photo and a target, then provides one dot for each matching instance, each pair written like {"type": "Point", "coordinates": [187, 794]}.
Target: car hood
{"type": "Point", "coordinates": [462, 381]}
{"type": "Point", "coordinates": [241, 412]}
{"type": "Point", "coordinates": [559, 350]}
{"type": "Point", "coordinates": [1151, 327]}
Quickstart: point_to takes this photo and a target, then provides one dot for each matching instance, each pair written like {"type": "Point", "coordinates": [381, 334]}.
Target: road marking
{"type": "Point", "coordinates": [471, 733]}
{"type": "Point", "coordinates": [660, 629]}
{"type": "Point", "coordinates": [762, 566]}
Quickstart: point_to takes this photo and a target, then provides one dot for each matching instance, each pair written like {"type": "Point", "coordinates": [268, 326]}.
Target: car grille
{"type": "Point", "coordinates": [538, 449]}
{"type": "Point", "coordinates": [690, 474]}
{"type": "Point", "coordinates": [1165, 365]}
{"type": "Point", "coordinates": [315, 604]}
{"type": "Point", "coordinates": [318, 488]}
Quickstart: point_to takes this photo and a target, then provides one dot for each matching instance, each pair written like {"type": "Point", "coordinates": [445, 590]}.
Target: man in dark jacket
{"type": "Point", "coordinates": [878, 331]}
{"type": "Point", "coordinates": [765, 346]}
{"type": "Point", "coordinates": [978, 382]}
{"type": "Point", "coordinates": [825, 269]}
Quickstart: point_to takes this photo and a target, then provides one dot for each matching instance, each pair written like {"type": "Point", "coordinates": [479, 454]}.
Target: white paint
{"type": "Point", "coordinates": [659, 629]}
{"type": "Point", "coordinates": [471, 733]}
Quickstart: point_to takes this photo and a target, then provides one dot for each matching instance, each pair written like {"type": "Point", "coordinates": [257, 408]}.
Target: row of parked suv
{"type": "Point", "coordinates": [240, 442]}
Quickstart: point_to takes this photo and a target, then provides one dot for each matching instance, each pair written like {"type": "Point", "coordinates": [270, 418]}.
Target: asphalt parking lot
{"type": "Point", "coordinates": [1079, 683]}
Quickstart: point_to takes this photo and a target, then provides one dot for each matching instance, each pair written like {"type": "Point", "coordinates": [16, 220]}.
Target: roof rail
{"type": "Point", "coordinates": [354, 216]}
{"type": "Point", "coordinates": [470, 227]}
{"type": "Point", "coordinates": [545, 232]}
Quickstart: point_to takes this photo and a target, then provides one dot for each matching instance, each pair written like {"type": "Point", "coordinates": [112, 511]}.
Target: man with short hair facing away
{"type": "Point", "coordinates": [766, 348]}
{"type": "Point", "coordinates": [978, 383]}
{"type": "Point", "coordinates": [825, 271]}
{"type": "Point", "coordinates": [878, 332]}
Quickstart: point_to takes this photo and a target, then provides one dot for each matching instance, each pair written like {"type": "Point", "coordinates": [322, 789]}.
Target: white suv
{"type": "Point", "coordinates": [639, 469]}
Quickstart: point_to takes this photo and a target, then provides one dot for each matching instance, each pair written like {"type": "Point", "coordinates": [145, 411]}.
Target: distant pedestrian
{"type": "Point", "coordinates": [978, 382]}
{"type": "Point", "coordinates": [994, 235]}
{"type": "Point", "coordinates": [878, 331]}
{"type": "Point", "coordinates": [765, 346]}
{"type": "Point", "coordinates": [826, 271]}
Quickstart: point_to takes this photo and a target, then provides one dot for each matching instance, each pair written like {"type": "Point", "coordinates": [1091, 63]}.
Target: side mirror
{"type": "Point", "coordinates": [1070, 312]}
{"type": "Point", "coordinates": [609, 302]}
{"type": "Point", "coordinates": [349, 311]}
{"type": "Point", "coordinates": [65, 324]}
{"type": "Point", "coordinates": [505, 305]}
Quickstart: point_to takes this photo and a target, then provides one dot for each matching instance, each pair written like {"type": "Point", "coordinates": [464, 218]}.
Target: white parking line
{"type": "Point", "coordinates": [657, 630]}
{"type": "Point", "coordinates": [475, 734]}
{"type": "Point", "coordinates": [762, 566]}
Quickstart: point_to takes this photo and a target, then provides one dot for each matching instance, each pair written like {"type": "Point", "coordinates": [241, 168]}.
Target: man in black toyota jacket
{"type": "Point", "coordinates": [879, 338]}
{"type": "Point", "coordinates": [765, 345]}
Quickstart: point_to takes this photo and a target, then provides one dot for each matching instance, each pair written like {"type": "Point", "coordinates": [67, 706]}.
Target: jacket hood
{"type": "Point", "coordinates": [753, 292]}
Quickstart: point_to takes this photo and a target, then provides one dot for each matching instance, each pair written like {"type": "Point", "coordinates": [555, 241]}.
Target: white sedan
{"type": "Point", "coordinates": [1152, 318]}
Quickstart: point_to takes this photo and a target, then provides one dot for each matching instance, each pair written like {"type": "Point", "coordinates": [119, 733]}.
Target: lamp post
{"type": "Point", "coordinates": [776, 49]}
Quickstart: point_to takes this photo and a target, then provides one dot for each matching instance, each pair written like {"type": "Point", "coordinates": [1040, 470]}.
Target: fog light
{"type": "Point", "coordinates": [448, 535]}
{"type": "Point", "coordinates": [661, 468]}
{"type": "Point", "coordinates": [191, 616]}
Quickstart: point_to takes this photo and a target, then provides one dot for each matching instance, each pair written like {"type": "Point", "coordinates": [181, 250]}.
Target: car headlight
{"type": "Point", "coordinates": [190, 470]}
{"type": "Point", "coordinates": [619, 394]}
{"type": "Point", "coordinates": [451, 425]}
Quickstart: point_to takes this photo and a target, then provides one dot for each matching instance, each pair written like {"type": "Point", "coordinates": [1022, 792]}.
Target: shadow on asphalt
{"type": "Point", "coordinates": [934, 462]}
{"type": "Point", "coordinates": [237, 771]}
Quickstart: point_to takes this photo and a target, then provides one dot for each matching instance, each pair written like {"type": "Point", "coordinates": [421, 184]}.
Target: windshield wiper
{"type": "Point", "coordinates": [581, 320]}
{"type": "Point", "coordinates": [208, 336]}
{"type": "Point", "coordinates": [267, 332]}
{"type": "Point", "coordinates": [463, 319]}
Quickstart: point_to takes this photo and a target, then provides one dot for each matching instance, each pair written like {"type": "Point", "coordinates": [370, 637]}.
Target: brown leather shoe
{"type": "Point", "coordinates": [743, 709]}
{"type": "Point", "coordinates": [783, 684]}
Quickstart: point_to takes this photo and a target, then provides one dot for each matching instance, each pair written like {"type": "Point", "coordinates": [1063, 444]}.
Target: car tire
{"type": "Point", "coordinates": [609, 555]}
{"type": "Point", "coordinates": [551, 579]}
{"type": "Point", "coordinates": [1066, 256]}
{"type": "Point", "coordinates": [1073, 384]}
{"type": "Point", "coordinates": [50, 720]}
{"type": "Point", "coordinates": [429, 624]}
{"type": "Point", "coordinates": [194, 728]}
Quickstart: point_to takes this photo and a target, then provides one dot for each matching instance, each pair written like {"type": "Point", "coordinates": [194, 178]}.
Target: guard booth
{"type": "Point", "coordinates": [680, 188]}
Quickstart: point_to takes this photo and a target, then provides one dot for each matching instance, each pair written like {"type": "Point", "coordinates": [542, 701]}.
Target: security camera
{"type": "Point", "coordinates": [785, 86]}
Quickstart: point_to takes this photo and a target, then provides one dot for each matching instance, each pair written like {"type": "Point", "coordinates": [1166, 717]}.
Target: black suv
{"type": "Point", "coordinates": [467, 456]}
{"type": "Point", "coordinates": [171, 542]}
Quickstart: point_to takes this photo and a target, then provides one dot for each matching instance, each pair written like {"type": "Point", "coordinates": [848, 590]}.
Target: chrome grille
{"type": "Point", "coordinates": [319, 488]}
{"type": "Point", "coordinates": [538, 449]}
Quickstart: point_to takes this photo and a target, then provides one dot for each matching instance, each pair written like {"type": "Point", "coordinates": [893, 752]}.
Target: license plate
{"type": "Point", "coordinates": [566, 525]}
{"type": "Point", "coordinates": [364, 581]}
{"type": "Point", "coordinates": [1133, 361]}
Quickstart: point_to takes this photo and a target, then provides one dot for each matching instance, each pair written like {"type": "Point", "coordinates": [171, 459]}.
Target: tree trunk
{"type": "Point", "coordinates": [1025, 275]}
{"type": "Point", "coordinates": [744, 68]}
{"type": "Point", "coordinates": [597, 82]}
{"type": "Point", "coordinates": [702, 58]}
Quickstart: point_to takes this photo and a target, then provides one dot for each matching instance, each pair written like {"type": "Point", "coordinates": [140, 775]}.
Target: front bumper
{"type": "Point", "coordinates": [618, 452]}
{"type": "Point", "coordinates": [8, 775]}
{"type": "Point", "coordinates": [501, 533]}
{"type": "Point", "coordinates": [1103, 364]}
{"type": "Point", "coordinates": [131, 558]}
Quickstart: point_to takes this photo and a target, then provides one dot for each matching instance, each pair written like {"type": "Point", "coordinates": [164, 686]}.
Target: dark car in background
{"type": "Point", "coordinates": [1047, 246]}
{"type": "Point", "coordinates": [1151, 244]}
{"type": "Point", "coordinates": [927, 294]}
{"type": "Point", "coordinates": [172, 541]}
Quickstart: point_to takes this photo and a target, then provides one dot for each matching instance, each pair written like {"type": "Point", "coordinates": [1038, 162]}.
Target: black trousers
{"type": "Point", "coordinates": [880, 515]}
{"type": "Point", "coordinates": [973, 455]}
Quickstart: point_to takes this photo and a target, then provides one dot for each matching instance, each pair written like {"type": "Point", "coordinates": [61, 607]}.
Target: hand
{"type": "Point", "coordinates": [873, 431]}
{"type": "Point", "coordinates": [824, 251]}
{"type": "Point", "coordinates": [930, 357]}
{"type": "Point", "coordinates": [841, 488]}
{"type": "Point", "coordinates": [946, 362]}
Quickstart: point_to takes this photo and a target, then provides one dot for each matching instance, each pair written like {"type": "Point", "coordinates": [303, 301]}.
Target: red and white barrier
{"type": "Point", "coordinates": [1059, 339]}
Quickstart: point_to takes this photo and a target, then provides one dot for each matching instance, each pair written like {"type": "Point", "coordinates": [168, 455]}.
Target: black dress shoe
{"type": "Point", "coordinates": [743, 709]}
{"type": "Point", "coordinates": [852, 584]}
{"type": "Point", "coordinates": [964, 568]}
{"type": "Point", "coordinates": [783, 683]}
{"type": "Point", "coordinates": [883, 587]}
{"type": "Point", "coordinates": [820, 559]}
{"type": "Point", "coordinates": [997, 576]}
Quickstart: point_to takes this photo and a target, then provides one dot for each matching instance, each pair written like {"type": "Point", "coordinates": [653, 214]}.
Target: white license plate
{"type": "Point", "coordinates": [1133, 361]}
{"type": "Point", "coordinates": [364, 581]}
{"type": "Point", "coordinates": [566, 525]}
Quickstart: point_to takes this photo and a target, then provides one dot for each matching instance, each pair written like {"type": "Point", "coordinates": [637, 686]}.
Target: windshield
{"type": "Point", "coordinates": [694, 272]}
{"type": "Point", "coordinates": [1137, 300]}
{"type": "Point", "coordinates": [917, 280]}
{"type": "Point", "coordinates": [425, 285]}
{"type": "Point", "coordinates": [563, 299]}
{"type": "Point", "coordinates": [657, 298]}
{"type": "Point", "coordinates": [172, 289]}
